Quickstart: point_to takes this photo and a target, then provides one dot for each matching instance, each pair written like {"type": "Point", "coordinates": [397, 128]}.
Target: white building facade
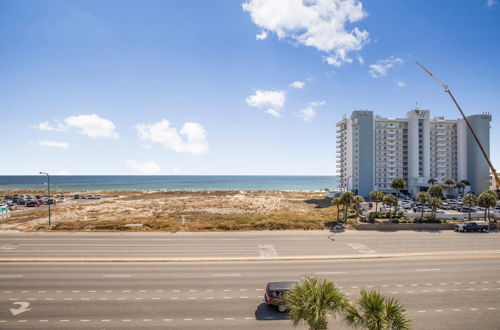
{"type": "Point", "coordinates": [372, 150]}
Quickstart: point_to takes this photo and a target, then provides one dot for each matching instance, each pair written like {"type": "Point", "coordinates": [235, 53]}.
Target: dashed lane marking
{"type": "Point", "coordinates": [427, 270]}
{"type": "Point", "coordinates": [117, 275]}
{"type": "Point", "coordinates": [226, 275]}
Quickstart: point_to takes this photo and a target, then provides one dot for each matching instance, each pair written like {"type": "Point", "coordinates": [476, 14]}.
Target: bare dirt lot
{"type": "Point", "coordinates": [182, 211]}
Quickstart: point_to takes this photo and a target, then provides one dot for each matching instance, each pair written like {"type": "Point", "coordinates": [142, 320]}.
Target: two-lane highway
{"type": "Point", "coordinates": [444, 280]}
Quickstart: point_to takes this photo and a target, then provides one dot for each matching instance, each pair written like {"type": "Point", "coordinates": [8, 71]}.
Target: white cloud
{"type": "Point", "coordinates": [308, 113]}
{"type": "Point", "coordinates": [90, 125]}
{"type": "Point", "coordinates": [380, 68]}
{"type": "Point", "coordinates": [274, 113]}
{"type": "Point", "coordinates": [191, 138]}
{"type": "Point", "coordinates": [361, 60]}
{"type": "Point", "coordinates": [316, 23]}
{"type": "Point", "coordinates": [262, 35]}
{"type": "Point", "coordinates": [144, 167]}
{"type": "Point", "coordinates": [401, 83]}
{"type": "Point", "coordinates": [490, 3]}
{"type": "Point", "coordinates": [298, 84]}
{"type": "Point", "coordinates": [262, 99]}
{"type": "Point", "coordinates": [45, 126]}
{"type": "Point", "coordinates": [53, 144]}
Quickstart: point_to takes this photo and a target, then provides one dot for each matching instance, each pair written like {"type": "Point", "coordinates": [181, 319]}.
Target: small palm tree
{"type": "Point", "coordinates": [422, 198]}
{"type": "Point", "coordinates": [470, 200]}
{"type": "Point", "coordinates": [391, 201]}
{"type": "Point", "coordinates": [347, 199]}
{"type": "Point", "coordinates": [487, 199]}
{"type": "Point", "coordinates": [376, 196]}
{"type": "Point", "coordinates": [313, 300]}
{"type": "Point", "coordinates": [449, 184]}
{"type": "Point", "coordinates": [337, 202]}
{"type": "Point", "coordinates": [460, 187]}
{"type": "Point", "coordinates": [436, 191]}
{"type": "Point", "coordinates": [398, 184]}
{"type": "Point", "coordinates": [432, 181]}
{"type": "Point", "coordinates": [434, 202]}
{"type": "Point", "coordinates": [357, 202]}
{"type": "Point", "coordinates": [376, 312]}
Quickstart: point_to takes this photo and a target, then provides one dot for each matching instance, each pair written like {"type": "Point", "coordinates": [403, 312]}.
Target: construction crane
{"type": "Point", "coordinates": [447, 90]}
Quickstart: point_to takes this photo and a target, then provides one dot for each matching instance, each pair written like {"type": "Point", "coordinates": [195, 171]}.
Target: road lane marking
{"type": "Point", "coordinates": [249, 318]}
{"type": "Point", "coordinates": [438, 310]}
{"type": "Point", "coordinates": [63, 320]}
{"type": "Point", "coordinates": [117, 275]}
{"type": "Point", "coordinates": [228, 318]}
{"type": "Point", "coordinates": [491, 308]}
{"type": "Point", "coordinates": [188, 319]}
{"type": "Point", "coordinates": [427, 270]}
{"type": "Point", "coordinates": [420, 311]}
{"type": "Point", "coordinates": [226, 275]}
{"type": "Point", "coordinates": [208, 319]}
{"type": "Point", "coordinates": [330, 273]}
{"type": "Point", "coordinates": [84, 320]}
{"type": "Point", "coordinates": [167, 320]}
{"type": "Point", "coordinates": [11, 276]}
{"type": "Point", "coordinates": [105, 320]}
{"type": "Point", "coordinates": [457, 310]}
{"type": "Point", "coordinates": [126, 320]}
{"type": "Point", "coordinates": [267, 251]}
{"type": "Point", "coordinates": [43, 320]}
{"type": "Point", "coordinates": [146, 320]}
{"type": "Point", "coordinates": [473, 309]}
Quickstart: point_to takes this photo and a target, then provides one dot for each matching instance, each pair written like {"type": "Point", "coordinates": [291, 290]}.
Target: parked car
{"type": "Point", "coordinates": [472, 226]}
{"type": "Point", "coordinates": [275, 292]}
{"type": "Point", "coordinates": [76, 196]}
{"type": "Point", "coordinates": [35, 203]}
{"type": "Point", "coordinates": [98, 196]}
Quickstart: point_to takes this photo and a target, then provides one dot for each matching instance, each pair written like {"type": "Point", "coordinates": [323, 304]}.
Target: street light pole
{"type": "Point", "coordinates": [48, 192]}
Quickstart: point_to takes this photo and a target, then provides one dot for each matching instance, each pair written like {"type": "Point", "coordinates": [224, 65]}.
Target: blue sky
{"type": "Point", "coordinates": [187, 87]}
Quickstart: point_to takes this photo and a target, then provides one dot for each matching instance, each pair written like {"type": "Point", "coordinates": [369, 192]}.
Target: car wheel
{"type": "Point", "coordinates": [281, 308]}
{"type": "Point", "coordinates": [485, 230]}
{"type": "Point", "coordinates": [464, 230]}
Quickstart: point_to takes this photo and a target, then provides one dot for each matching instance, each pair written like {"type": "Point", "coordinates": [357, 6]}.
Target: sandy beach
{"type": "Point", "coordinates": [180, 211]}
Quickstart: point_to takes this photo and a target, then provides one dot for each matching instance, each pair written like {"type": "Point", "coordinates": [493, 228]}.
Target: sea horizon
{"type": "Point", "coordinates": [169, 182]}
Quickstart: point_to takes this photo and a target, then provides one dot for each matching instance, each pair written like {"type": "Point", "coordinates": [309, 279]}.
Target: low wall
{"type": "Point", "coordinates": [405, 226]}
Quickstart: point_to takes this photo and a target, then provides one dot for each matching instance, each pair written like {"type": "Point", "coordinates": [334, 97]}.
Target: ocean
{"type": "Point", "coordinates": [168, 182]}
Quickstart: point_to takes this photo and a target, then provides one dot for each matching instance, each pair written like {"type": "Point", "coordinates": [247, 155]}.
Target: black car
{"type": "Point", "coordinates": [472, 226]}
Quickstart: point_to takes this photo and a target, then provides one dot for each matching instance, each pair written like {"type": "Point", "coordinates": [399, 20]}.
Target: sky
{"type": "Point", "coordinates": [228, 87]}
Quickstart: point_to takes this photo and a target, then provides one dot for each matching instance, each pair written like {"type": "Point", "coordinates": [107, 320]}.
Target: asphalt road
{"type": "Point", "coordinates": [446, 280]}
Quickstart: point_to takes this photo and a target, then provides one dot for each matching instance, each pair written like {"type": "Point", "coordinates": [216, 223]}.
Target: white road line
{"type": "Point", "coordinates": [473, 309]}
{"type": "Point", "coordinates": [208, 319]}
{"type": "Point", "coordinates": [124, 291]}
{"type": "Point", "coordinates": [267, 251]}
{"type": "Point", "coordinates": [244, 297]}
{"type": "Point", "coordinates": [226, 290]}
{"type": "Point", "coordinates": [227, 297]}
{"type": "Point", "coordinates": [147, 320]}
{"type": "Point", "coordinates": [457, 310]}
{"type": "Point", "coordinates": [84, 320]}
{"type": "Point", "coordinates": [330, 273]}
{"type": "Point", "coordinates": [176, 290]}
{"type": "Point", "coordinates": [126, 320]}
{"type": "Point", "coordinates": [209, 297]}
{"type": "Point", "coordinates": [195, 290]}
{"type": "Point", "coordinates": [22, 321]}
{"type": "Point", "coordinates": [427, 270]}
{"type": "Point", "coordinates": [63, 320]}
{"type": "Point", "coordinates": [7, 292]}
{"type": "Point", "coordinates": [485, 282]}
{"type": "Point", "coordinates": [11, 276]}
{"type": "Point", "coordinates": [226, 275]}
{"type": "Point", "coordinates": [188, 319]}
{"type": "Point", "coordinates": [228, 318]}
{"type": "Point", "coordinates": [24, 291]}
{"type": "Point", "coordinates": [249, 318]}
{"type": "Point", "coordinates": [117, 275]}
{"type": "Point", "coordinates": [420, 311]}
{"type": "Point", "coordinates": [74, 291]}
{"type": "Point", "coordinates": [174, 298]}
{"type": "Point", "coordinates": [105, 320]}
{"type": "Point", "coordinates": [167, 320]}
{"type": "Point", "coordinates": [394, 292]}
{"type": "Point", "coordinates": [108, 291]}
{"type": "Point", "coordinates": [43, 320]}
{"type": "Point", "coordinates": [438, 310]}
{"type": "Point", "coordinates": [491, 308]}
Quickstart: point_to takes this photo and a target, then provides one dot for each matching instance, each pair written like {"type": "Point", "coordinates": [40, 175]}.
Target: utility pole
{"type": "Point", "coordinates": [48, 192]}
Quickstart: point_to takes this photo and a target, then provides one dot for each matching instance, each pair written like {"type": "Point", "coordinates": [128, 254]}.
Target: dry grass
{"type": "Point", "coordinates": [201, 211]}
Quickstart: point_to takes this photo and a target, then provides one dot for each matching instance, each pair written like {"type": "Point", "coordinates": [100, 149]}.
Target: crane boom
{"type": "Point", "coordinates": [447, 90]}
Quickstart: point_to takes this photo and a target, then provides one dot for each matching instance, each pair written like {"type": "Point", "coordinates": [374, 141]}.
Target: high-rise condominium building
{"type": "Point", "coordinates": [371, 151]}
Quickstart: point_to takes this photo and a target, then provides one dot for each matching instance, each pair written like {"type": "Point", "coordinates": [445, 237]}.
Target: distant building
{"type": "Point", "coordinates": [372, 150]}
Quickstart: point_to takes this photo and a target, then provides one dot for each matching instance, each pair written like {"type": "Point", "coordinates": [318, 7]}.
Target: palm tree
{"type": "Point", "coordinates": [434, 202]}
{"type": "Point", "coordinates": [449, 184]}
{"type": "Point", "coordinates": [376, 196]}
{"type": "Point", "coordinates": [436, 191]}
{"type": "Point", "coordinates": [398, 184]}
{"type": "Point", "coordinates": [313, 300]}
{"type": "Point", "coordinates": [487, 199]}
{"type": "Point", "coordinates": [466, 183]}
{"type": "Point", "coordinates": [347, 199]}
{"type": "Point", "coordinates": [432, 181]}
{"type": "Point", "coordinates": [470, 200]}
{"type": "Point", "coordinates": [376, 312]}
{"type": "Point", "coordinates": [357, 202]}
{"type": "Point", "coordinates": [337, 202]}
{"type": "Point", "coordinates": [422, 198]}
{"type": "Point", "coordinates": [460, 187]}
{"type": "Point", "coordinates": [391, 201]}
